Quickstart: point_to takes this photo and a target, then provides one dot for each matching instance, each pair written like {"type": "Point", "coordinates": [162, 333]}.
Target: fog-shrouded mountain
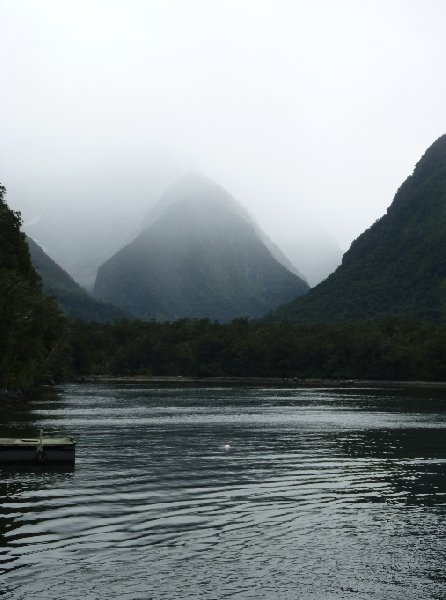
{"type": "Point", "coordinates": [397, 267]}
{"type": "Point", "coordinates": [84, 216]}
{"type": "Point", "coordinates": [74, 300]}
{"type": "Point", "coordinates": [82, 219]}
{"type": "Point", "coordinates": [200, 255]}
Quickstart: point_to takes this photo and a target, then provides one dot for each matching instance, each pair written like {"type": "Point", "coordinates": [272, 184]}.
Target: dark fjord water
{"type": "Point", "coordinates": [323, 494]}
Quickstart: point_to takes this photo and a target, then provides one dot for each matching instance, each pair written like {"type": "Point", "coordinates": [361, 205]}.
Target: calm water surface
{"type": "Point", "coordinates": [323, 494]}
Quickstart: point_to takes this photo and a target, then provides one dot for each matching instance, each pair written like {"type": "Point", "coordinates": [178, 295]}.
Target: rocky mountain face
{"type": "Point", "coordinates": [200, 256]}
{"type": "Point", "coordinates": [73, 300]}
{"type": "Point", "coordinates": [397, 267]}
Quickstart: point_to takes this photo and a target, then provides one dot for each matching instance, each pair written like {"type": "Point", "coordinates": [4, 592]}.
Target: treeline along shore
{"type": "Point", "coordinates": [262, 382]}
{"type": "Point", "coordinates": [386, 350]}
{"type": "Point", "coordinates": [381, 316]}
{"type": "Point", "coordinates": [240, 353]}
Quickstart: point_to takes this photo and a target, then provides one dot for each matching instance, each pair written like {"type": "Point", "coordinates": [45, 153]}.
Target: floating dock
{"type": "Point", "coordinates": [39, 450]}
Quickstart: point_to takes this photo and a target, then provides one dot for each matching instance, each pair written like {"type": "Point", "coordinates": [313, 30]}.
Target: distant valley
{"type": "Point", "coordinates": [81, 224]}
{"type": "Point", "coordinates": [171, 301]}
{"type": "Point", "coordinates": [197, 253]}
{"type": "Point", "coordinates": [71, 297]}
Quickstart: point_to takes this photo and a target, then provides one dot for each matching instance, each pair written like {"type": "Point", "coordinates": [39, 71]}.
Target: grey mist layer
{"type": "Point", "coordinates": [71, 297]}
{"type": "Point", "coordinates": [309, 113]}
{"type": "Point", "coordinates": [200, 256]}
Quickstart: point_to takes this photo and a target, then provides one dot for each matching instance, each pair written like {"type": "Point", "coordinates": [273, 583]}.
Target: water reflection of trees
{"type": "Point", "coordinates": [410, 463]}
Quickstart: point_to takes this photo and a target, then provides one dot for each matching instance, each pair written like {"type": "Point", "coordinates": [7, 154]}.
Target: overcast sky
{"type": "Point", "coordinates": [311, 113]}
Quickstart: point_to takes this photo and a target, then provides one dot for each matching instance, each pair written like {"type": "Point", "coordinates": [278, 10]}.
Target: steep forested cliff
{"type": "Point", "coordinates": [397, 267]}
{"type": "Point", "coordinates": [32, 330]}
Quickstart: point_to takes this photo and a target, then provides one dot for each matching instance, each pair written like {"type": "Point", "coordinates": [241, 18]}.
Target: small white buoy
{"type": "Point", "coordinates": [227, 447]}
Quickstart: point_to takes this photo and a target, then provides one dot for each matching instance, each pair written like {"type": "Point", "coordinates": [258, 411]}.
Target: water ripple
{"type": "Point", "coordinates": [322, 494]}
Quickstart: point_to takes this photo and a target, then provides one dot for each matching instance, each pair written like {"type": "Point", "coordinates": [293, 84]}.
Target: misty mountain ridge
{"type": "Point", "coordinates": [73, 300]}
{"type": "Point", "coordinates": [199, 256]}
{"type": "Point", "coordinates": [190, 185]}
{"type": "Point", "coordinates": [397, 267]}
{"type": "Point", "coordinates": [83, 221]}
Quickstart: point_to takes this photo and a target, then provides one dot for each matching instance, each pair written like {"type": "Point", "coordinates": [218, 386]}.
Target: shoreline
{"type": "Point", "coordinates": [23, 395]}
{"type": "Point", "coordinates": [272, 382]}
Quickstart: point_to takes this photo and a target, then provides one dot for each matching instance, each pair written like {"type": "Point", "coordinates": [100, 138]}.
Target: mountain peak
{"type": "Point", "coordinates": [200, 255]}
{"type": "Point", "coordinates": [200, 194]}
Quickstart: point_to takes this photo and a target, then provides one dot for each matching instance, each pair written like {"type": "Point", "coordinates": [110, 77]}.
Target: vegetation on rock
{"type": "Point", "coordinates": [32, 329]}
{"type": "Point", "coordinates": [397, 267]}
{"type": "Point", "coordinates": [381, 315]}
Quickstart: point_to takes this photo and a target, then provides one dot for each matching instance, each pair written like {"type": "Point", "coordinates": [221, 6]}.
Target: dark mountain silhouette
{"type": "Point", "coordinates": [200, 256]}
{"type": "Point", "coordinates": [74, 300]}
{"type": "Point", "coordinates": [397, 267]}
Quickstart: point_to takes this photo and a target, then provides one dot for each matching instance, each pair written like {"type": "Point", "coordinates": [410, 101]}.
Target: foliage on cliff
{"type": "Point", "coordinates": [397, 267]}
{"type": "Point", "coordinates": [32, 330]}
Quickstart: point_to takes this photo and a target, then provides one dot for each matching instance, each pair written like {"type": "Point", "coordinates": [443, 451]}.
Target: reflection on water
{"type": "Point", "coordinates": [323, 494]}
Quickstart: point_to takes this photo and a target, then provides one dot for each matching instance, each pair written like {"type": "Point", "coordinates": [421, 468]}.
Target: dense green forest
{"type": "Point", "coordinates": [381, 315]}
{"type": "Point", "coordinates": [33, 332]}
{"type": "Point", "coordinates": [389, 349]}
{"type": "Point", "coordinates": [397, 267]}
{"type": "Point", "coordinates": [39, 343]}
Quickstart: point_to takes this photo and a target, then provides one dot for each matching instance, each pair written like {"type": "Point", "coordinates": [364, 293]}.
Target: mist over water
{"type": "Point", "coordinates": [322, 494]}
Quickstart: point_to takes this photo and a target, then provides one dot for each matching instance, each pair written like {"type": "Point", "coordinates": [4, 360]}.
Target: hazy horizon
{"type": "Point", "coordinates": [310, 114]}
